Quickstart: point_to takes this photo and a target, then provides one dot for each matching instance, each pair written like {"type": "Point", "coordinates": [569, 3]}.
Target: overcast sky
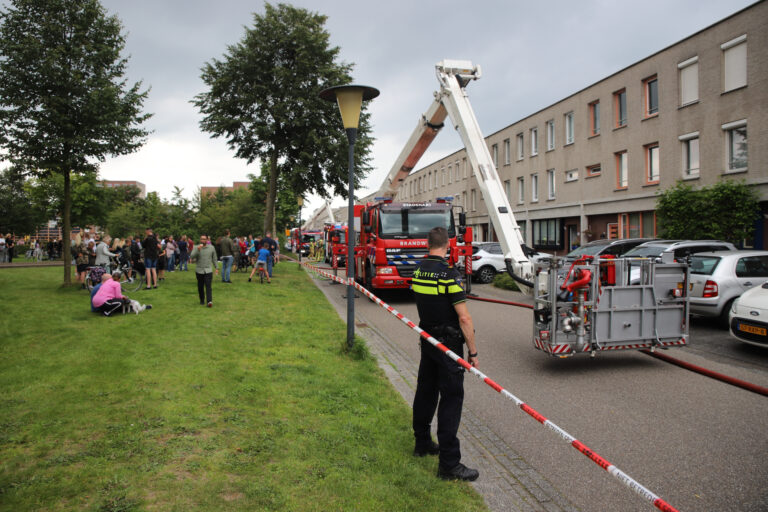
{"type": "Point", "coordinates": [532, 54]}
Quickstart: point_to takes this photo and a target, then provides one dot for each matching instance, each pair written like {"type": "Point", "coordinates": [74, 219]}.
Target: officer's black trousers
{"type": "Point", "coordinates": [440, 386]}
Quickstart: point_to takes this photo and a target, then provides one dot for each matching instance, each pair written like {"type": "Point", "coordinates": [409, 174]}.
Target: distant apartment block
{"type": "Point", "coordinates": [207, 191]}
{"type": "Point", "coordinates": [112, 184]}
{"type": "Point", "coordinates": [592, 164]}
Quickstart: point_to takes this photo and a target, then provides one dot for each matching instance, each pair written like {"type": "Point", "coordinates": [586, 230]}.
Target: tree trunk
{"type": "Point", "coordinates": [66, 251]}
{"type": "Point", "coordinates": [269, 211]}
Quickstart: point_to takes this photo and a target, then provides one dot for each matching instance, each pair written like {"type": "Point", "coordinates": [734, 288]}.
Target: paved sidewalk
{"type": "Point", "coordinates": [507, 482]}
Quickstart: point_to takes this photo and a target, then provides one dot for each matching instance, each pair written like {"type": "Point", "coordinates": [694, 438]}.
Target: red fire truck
{"type": "Point", "coordinates": [393, 239]}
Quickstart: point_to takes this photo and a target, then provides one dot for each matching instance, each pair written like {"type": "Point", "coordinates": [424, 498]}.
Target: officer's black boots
{"type": "Point", "coordinates": [458, 472]}
{"type": "Point", "coordinates": [429, 449]}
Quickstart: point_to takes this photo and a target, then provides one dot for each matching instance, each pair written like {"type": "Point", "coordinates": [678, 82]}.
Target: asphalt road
{"type": "Point", "coordinates": [696, 442]}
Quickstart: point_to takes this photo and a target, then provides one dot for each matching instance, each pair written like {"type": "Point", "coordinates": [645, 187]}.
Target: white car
{"type": "Point", "coordinates": [748, 319]}
{"type": "Point", "coordinates": [488, 260]}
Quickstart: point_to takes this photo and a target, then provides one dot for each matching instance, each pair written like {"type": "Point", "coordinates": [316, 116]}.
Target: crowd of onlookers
{"type": "Point", "coordinates": [36, 250]}
{"type": "Point", "coordinates": [153, 256]}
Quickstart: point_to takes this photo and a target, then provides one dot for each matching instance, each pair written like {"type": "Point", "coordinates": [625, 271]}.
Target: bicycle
{"type": "Point", "coordinates": [131, 279]}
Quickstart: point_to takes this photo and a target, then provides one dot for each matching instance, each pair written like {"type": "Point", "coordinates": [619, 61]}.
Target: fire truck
{"type": "Point", "coordinates": [303, 244]}
{"type": "Point", "coordinates": [580, 307]}
{"type": "Point", "coordinates": [335, 244]}
{"type": "Point", "coordinates": [393, 239]}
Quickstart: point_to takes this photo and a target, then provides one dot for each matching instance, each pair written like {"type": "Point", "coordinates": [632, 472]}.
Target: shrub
{"type": "Point", "coordinates": [505, 281]}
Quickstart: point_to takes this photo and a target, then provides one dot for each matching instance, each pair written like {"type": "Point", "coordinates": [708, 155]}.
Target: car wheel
{"type": "Point", "coordinates": [486, 274]}
{"type": "Point", "coordinates": [723, 320]}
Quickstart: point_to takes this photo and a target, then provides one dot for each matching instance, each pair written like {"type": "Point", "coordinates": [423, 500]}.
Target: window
{"type": "Point", "coordinates": [507, 152]}
{"type": "Point", "coordinates": [450, 174]}
{"type": "Point", "coordinates": [569, 128]}
{"type": "Point", "coordinates": [572, 175]}
{"type": "Point", "coordinates": [508, 190]}
{"type": "Point", "coordinates": [520, 190]}
{"type": "Point", "coordinates": [652, 163]}
{"type": "Point", "coordinates": [688, 75]}
{"type": "Point", "coordinates": [534, 187]}
{"type": "Point", "coordinates": [520, 149]}
{"type": "Point", "coordinates": [551, 184]}
{"type": "Point", "coordinates": [734, 63]}
{"type": "Point", "coordinates": [534, 141]}
{"type": "Point", "coordinates": [474, 199]}
{"type": "Point", "coordinates": [622, 178]}
{"type": "Point", "coordinates": [736, 145]}
{"type": "Point", "coordinates": [458, 170]}
{"type": "Point", "coordinates": [550, 135]}
{"type": "Point", "coordinates": [651, 96]}
{"type": "Point", "coordinates": [547, 234]}
{"type": "Point", "coordinates": [690, 148]}
{"type": "Point", "coordinates": [620, 108]}
{"type": "Point", "coordinates": [464, 166]}
{"type": "Point", "coordinates": [593, 170]}
{"type": "Point", "coordinates": [495, 155]}
{"type": "Point", "coordinates": [594, 118]}
{"type": "Point", "coordinates": [464, 199]}
{"type": "Point", "coordinates": [442, 171]}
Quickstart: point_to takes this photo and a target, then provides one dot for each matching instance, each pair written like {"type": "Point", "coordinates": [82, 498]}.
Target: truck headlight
{"type": "Point", "coordinates": [385, 271]}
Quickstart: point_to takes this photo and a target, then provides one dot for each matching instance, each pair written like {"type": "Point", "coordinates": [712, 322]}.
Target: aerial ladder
{"type": "Point", "coordinates": [582, 306]}
{"type": "Point", "coordinates": [452, 101]}
{"type": "Point", "coordinates": [326, 208]}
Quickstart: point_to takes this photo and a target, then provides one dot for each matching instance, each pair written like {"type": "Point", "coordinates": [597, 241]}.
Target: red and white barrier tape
{"type": "Point", "coordinates": [581, 447]}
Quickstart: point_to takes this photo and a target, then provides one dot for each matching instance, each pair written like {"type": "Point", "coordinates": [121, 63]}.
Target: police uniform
{"type": "Point", "coordinates": [437, 287]}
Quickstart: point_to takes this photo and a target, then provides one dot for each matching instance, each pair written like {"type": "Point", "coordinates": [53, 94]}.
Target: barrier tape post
{"type": "Point", "coordinates": [624, 478]}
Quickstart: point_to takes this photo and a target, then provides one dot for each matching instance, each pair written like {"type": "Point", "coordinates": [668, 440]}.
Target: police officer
{"type": "Point", "coordinates": [443, 313]}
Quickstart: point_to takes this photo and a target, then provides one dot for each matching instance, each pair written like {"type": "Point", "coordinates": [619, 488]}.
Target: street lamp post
{"type": "Point", "coordinates": [350, 100]}
{"type": "Point", "coordinates": [300, 202]}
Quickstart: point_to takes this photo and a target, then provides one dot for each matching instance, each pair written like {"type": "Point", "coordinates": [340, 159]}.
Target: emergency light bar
{"type": "Point", "coordinates": [383, 199]}
{"type": "Point", "coordinates": [446, 199]}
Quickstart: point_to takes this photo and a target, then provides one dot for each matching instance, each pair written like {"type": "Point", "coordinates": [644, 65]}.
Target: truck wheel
{"type": "Point", "coordinates": [486, 274]}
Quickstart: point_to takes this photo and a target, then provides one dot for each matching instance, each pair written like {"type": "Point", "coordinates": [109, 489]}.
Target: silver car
{"type": "Point", "coordinates": [719, 278]}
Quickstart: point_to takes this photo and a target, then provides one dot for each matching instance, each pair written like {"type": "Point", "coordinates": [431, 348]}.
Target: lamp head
{"type": "Point", "coordinates": [350, 100]}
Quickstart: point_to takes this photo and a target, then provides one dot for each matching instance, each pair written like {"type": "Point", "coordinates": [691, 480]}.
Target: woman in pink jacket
{"type": "Point", "coordinates": [109, 298]}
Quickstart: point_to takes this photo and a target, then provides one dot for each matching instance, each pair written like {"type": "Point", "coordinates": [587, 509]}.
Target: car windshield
{"type": "Point", "coordinates": [647, 251]}
{"type": "Point", "coordinates": [705, 265]}
{"type": "Point", "coordinates": [309, 238]}
{"type": "Point", "coordinates": [414, 221]}
{"type": "Point", "coordinates": [586, 250]}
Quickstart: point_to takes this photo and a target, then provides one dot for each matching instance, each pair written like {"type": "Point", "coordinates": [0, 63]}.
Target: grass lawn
{"type": "Point", "coordinates": [249, 405]}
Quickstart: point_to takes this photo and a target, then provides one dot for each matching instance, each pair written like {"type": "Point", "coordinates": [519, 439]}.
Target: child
{"type": "Point", "coordinates": [261, 262]}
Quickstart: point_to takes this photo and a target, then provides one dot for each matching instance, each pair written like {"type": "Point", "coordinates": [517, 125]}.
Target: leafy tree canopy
{"type": "Point", "coordinates": [726, 210]}
{"type": "Point", "coordinates": [263, 99]}
{"type": "Point", "coordinates": [64, 102]}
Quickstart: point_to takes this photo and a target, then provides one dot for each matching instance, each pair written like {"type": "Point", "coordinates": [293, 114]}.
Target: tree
{"type": "Point", "coordinates": [64, 104]}
{"type": "Point", "coordinates": [19, 214]}
{"type": "Point", "coordinates": [263, 98]}
{"type": "Point", "coordinates": [726, 210]}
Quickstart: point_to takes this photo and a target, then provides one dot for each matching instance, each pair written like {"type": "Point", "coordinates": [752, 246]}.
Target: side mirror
{"type": "Point", "coordinates": [462, 219]}
{"type": "Point", "coordinates": [366, 218]}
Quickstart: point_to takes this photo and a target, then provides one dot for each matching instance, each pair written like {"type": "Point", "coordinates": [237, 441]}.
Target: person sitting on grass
{"type": "Point", "coordinates": [109, 298]}
{"type": "Point", "coordinates": [261, 262]}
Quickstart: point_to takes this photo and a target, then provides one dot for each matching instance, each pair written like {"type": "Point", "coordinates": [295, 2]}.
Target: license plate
{"type": "Point", "coordinates": [762, 331]}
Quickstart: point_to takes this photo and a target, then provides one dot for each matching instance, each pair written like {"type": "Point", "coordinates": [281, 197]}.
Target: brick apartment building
{"type": "Point", "coordinates": [591, 164]}
{"type": "Point", "coordinates": [207, 191]}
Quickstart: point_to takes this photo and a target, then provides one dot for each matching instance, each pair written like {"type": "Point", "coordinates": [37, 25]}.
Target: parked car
{"type": "Point", "coordinates": [606, 247]}
{"type": "Point", "coordinates": [719, 278]}
{"type": "Point", "coordinates": [488, 260]}
{"type": "Point", "coordinates": [749, 316]}
{"type": "Point", "coordinates": [680, 248]}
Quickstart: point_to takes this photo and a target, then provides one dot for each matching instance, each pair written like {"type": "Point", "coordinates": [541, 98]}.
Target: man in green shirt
{"type": "Point", "coordinates": [204, 255]}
